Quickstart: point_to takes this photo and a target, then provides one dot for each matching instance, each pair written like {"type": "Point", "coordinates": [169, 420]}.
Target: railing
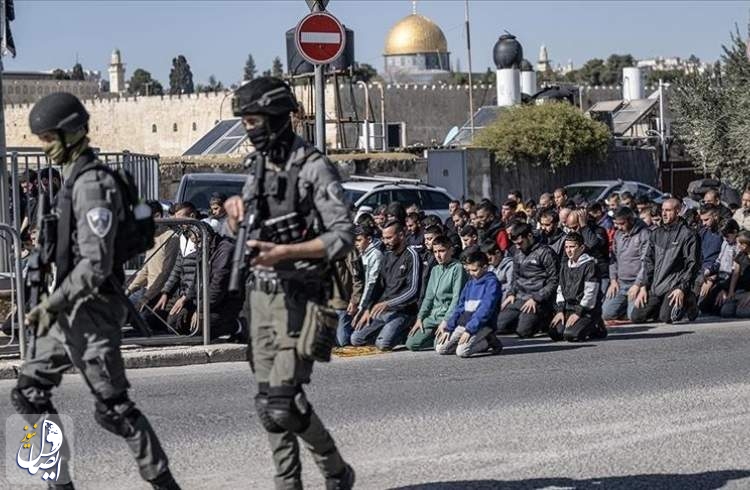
{"type": "Point", "coordinates": [203, 306]}
{"type": "Point", "coordinates": [17, 286]}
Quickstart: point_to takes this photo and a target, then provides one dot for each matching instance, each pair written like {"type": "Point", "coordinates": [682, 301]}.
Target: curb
{"type": "Point", "coordinates": [158, 357]}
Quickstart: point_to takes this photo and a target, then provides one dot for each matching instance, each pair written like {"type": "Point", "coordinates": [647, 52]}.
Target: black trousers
{"type": "Point", "coordinates": [658, 308]}
{"type": "Point", "coordinates": [579, 331]}
{"type": "Point", "coordinates": [525, 325]}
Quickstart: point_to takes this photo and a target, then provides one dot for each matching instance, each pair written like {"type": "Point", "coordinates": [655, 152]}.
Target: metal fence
{"type": "Point", "coordinates": [202, 301]}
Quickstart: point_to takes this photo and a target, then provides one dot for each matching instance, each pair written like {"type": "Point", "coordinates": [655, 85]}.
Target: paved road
{"type": "Point", "coordinates": [648, 408]}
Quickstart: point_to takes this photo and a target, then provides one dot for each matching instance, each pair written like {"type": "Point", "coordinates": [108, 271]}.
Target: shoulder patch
{"type": "Point", "coordinates": [100, 221]}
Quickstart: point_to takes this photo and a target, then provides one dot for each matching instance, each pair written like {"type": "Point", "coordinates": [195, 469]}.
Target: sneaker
{"type": "Point", "coordinates": [66, 486]}
{"type": "Point", "coordinates": [677, 313]}
{"type": "Point", "coordinates": [600, 332]}
{"type": "Point", "coordinates": [345, 481]}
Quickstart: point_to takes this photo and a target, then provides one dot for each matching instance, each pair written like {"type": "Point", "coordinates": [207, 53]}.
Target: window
{"type": "Point", "coordinates": [435, 200]}
{"type": "Point", "coordinates": [153, 128]}
{"type": "Point", "coordinates": [407, 197]}
{"type": "Point", "coordinates": [376, 199]}
{"type": "Point", "coordinates": [195, 127]}
{"type": "Point", "coordinates": [174, 127]}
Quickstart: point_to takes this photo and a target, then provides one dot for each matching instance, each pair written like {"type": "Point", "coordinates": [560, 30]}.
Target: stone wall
{"type": "Point", "coordinates": [168, 125]}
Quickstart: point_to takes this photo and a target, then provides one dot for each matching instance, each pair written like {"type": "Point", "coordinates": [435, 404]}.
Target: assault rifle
{"type": "Point", "coordinates": [252, 198]}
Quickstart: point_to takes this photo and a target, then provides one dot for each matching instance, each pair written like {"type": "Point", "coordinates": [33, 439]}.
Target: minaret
{"type": "Point", "coordinates": [543, 63]}
{"type": "Point", "coordinates": [116, 73]}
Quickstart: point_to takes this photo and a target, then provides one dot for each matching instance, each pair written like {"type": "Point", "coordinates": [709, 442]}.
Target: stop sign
{"type": "Point", "coordinates": [320, 38]}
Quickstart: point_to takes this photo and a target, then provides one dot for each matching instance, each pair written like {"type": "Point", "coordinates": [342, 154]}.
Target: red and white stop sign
{"type": "Point", "coordinates": [320, 38]}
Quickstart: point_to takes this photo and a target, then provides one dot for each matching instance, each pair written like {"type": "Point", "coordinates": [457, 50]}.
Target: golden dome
{"type": "Point", "coordinates": [415, 34]}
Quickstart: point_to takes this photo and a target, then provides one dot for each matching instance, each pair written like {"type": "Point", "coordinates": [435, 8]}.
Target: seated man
{"type": "Point", "coordinates": [224, 307]}
{"type": "Point", "coordinates": [500, 264]}
{"type": "Point", "coordinates": [579, 312]}
{"type": "Point", "coordinates": [717, 278]}
{"type": "Point", "coordinates": [672, 262]}
{"type": "Point", "coordinates": [347, 293]}
{"type": "Point", "coordinates": [146, 285]}
{"type": "Point", "coordinates": [444, 287]}
{"type": "Point", "coordinates": [415, 235]}
{"type": "Point", "coordinates": [625, 264]}
{"type": "Point", "coordinates": [471, 328]}
{"type": "Point", "coordinates": [529, 306]}
{"type": "Point", "coordinates": [469, 236]}
{"type": "Point", "coordinates": [736, 301]}
{"type": "Point", "coordinates": [394, 303]}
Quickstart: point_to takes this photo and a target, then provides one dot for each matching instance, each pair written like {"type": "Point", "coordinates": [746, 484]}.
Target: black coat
{"type": "Point", "coordinates": [672, 259]}
{"type": "Point", "coordinates": [535, 274]}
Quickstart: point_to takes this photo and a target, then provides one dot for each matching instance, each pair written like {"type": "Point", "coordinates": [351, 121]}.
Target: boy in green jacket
{"type": "Point", "coordinates": [443, 290]}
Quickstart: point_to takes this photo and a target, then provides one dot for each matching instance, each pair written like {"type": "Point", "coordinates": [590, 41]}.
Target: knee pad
{"type": "Point", "coordinates": [288, 408]}
{"type": "Point", "coordinates": [27, 405]}
{"type": "Point", "coordinates": [117, 415]}
{"type": "Point", "coordinates": [261, 408]}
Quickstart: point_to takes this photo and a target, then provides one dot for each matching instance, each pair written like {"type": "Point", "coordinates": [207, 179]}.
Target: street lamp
{"type": "Point", "coordinates": [221, 105]}
{"type": "Point", "coordinates": [367, 115]}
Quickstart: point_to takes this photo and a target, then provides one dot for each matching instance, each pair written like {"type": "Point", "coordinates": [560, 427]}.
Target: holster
{"type": "Point", "coordinates": [318, 335]}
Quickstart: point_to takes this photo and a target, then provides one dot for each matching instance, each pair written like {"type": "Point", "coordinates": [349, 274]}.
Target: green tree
{"type": "Point", "coordinates": [277, 68]}
{"type": "Point", "coordinates": [180, 77]}
{"type": "Point", "coordinates": [214, 84]}
{"type": "Point", "coordinates": [142, 83]}
{"type": "Point", "coordinates": [667, 76]}
{"type": "Point", "coordinates": [592, 72]}
{"type": "Point", "coordinates": [364, 73]}
{"type": "Point", "coordinates": [712, 115]}
{"type": "Point", "coordinates": [250, 70]}
{"type": "Point", "coordinates": [59, 74]}
{"type": "Point", "coordinates": [613, 68]}
{"type": "Point", "coordinates": [552, 135]}
{"type": "Point", "coordinates": [77, 73]}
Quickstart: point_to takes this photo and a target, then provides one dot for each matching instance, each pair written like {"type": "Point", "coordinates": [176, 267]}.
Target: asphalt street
{"type": "Point", "coordinates": [653, 407]}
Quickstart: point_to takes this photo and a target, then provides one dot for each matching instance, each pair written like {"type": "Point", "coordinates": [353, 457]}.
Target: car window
{"type": "Point", "coordinates": [585, 192]}
{"type": "Point", "coordinates": [407, 197]}
{"type": "Point", "coordinates": [376, 199]}
{"type": "Point", "coordinates": [353, 196]}
{"type": "Point", "coordinates": [199, 192]}
{"type": "Point", "coordinates": [648, 192]}
{"type": "Point", "coordinates": [434, 200]}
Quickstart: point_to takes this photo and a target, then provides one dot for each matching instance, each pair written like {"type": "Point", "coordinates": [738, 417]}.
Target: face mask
{"type": "Point", "coordinates": [55, 151]}
{"type": "Point", "coordinates": [266, 136]}
{"type": "Point", "coordinates": [259, 137]}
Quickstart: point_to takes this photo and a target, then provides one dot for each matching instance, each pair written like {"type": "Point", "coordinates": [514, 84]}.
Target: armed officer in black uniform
{"type": "Point", "coordinates": [304, 225]}
{"type": "Point", "coordinates": [79, 323]}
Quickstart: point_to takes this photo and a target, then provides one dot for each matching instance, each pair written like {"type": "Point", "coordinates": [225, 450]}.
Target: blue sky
{"type": "Point", "coordinates": [217, 35]}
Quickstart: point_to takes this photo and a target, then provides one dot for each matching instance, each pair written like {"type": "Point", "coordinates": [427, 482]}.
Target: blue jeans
{"type": "Point", "coordinates": [618, 307]}
{"type": "Point", "coordinates": [344, 329]}
{"type": "Point", "coordinates": [388, 330]}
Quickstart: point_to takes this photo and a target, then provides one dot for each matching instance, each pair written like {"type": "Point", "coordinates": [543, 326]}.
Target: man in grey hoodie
{"type": "Point", "coordinates": [625, 264]}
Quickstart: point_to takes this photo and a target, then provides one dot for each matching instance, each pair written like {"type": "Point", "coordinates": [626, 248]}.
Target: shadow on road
{"type": "Point", "coordinates": [534, 349]}
{"type": "Point", "coordinates": [698, 481]}
{"type": "Point", "coordinates": [637, 336]}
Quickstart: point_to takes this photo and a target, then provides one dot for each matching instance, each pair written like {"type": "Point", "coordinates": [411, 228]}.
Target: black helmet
{"type": "Point", "coordinates": [59, 111]}
{"type": "Point", "coordinates": [264, 95]}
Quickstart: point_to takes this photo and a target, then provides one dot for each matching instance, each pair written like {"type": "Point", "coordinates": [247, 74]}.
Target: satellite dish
{"type": "Point", "coordinates": [451, 134]}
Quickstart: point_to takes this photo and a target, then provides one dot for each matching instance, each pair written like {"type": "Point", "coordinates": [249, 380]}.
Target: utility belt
{"type": "Point", "coordinates": [318, 287]}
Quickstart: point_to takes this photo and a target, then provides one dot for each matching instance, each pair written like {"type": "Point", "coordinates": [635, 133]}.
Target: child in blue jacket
{"type": "Point", "coordinates": [471, 327]}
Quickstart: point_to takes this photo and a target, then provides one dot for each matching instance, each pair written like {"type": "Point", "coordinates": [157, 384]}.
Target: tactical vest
{"type": "Point", "coordinates": [67, 253]}
{"type": "Point", "coordinates": [288, 218]}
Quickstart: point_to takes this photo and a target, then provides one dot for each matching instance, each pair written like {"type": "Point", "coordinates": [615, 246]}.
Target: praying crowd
{"type": "Point", "coordinates": [558, 267]}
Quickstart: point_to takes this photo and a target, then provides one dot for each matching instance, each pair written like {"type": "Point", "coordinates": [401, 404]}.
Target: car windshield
{"type": "Point", "coordinates": [588, 193]}
{"type": "Point", "coordinates": [199, 192]}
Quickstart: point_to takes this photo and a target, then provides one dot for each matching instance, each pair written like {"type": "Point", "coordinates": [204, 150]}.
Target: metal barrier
{"type": "Point", "coordinates": [17, 284]}
{"type": "Point", "coordinates": [143, 168]}
{"type": "Point", "coordinates": [203, 307]}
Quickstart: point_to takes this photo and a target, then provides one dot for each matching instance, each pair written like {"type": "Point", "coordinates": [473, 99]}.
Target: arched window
{"type": "Point", "coordinates": [153, 128]}
{"type": "Point", "coordinates": [174, 127]}
{"type": "Point", "coordinates": [195, 127]}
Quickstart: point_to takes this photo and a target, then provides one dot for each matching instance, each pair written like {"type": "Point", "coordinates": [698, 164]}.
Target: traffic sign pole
{"type": "Point", "coordinates": [320, 39]}
{"type": "Point", "coordinates": [320, 99]}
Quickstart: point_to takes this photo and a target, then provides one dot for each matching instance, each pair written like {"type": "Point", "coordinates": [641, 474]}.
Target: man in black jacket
{"type": "Point", "coordinates": [579, 299]}
{"type": "Point", "coordinates": [224, 308]}
{"type": "Point", "coordinates": [529, 306]}
{"type": "Point", "coordinates": [393, 307]}
{"type": "Point", "coordinates": [671, 265]}
{"type": "Point", "coordinates": [596, 242]}
{"type": "Point", "coordinates": [550, 233]}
